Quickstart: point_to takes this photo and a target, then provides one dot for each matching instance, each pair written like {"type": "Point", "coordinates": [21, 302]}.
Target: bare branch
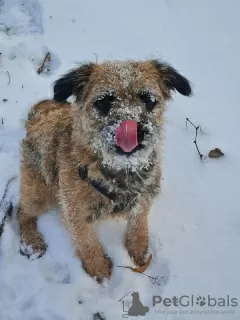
{"type": "Point", "coordinates": [5, 206]}
{"type": "Point", "coordinates": [196, 133]}
{"type": "Point", "coordinates": [7, 214]}
{"type": "Point", "coordinates": [6, 190]}
{"type": "Point", "coordinates": [155, 280]}
{"type": "Point", "coordinates": [46, 61]}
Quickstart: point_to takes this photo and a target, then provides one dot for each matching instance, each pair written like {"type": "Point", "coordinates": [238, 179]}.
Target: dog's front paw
{"type": "Point", "coordinates": [98, 267]}
{"type": "Point", "coordinates": [33, 250]}
{"type": "Point", "coordinates": [137, 251]}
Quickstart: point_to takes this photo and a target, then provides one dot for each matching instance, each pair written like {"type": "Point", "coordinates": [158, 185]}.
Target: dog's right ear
{"type": "Point", "coordinates": [72, 83]}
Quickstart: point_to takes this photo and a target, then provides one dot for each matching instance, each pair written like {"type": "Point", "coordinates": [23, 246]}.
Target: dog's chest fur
{"type": "Point", "coordinates": [124, 188]}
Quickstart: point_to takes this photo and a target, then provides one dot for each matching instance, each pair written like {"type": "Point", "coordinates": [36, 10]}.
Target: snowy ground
{"type": "Point", "coordinates": [195, 223]}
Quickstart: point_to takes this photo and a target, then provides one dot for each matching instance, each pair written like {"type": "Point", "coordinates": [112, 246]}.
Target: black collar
{"type": "Point", "coordinates": [103, 189]}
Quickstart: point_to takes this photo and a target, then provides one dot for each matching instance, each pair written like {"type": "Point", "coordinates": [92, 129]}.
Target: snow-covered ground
{"type": "Point", "coordinates": [195, 222]}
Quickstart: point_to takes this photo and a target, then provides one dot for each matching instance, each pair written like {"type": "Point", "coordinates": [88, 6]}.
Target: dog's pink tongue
{"type": "Point", "coordinates": [126, 135]}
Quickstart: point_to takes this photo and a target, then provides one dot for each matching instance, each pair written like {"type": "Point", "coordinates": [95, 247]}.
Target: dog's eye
{"type": "Point", "coordinates": [103, 104]}
{"type": "Point", "coordinates": [149, 99]}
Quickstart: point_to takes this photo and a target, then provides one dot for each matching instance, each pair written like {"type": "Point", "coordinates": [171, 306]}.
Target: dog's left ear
{"type": "Point", "coordinates": [72, 83]}
{"type": "Point", "coordinates": [172, 79]}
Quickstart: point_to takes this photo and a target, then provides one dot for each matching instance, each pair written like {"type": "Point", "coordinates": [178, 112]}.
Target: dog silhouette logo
{"type": "Point", "coordinates": [132, 305]}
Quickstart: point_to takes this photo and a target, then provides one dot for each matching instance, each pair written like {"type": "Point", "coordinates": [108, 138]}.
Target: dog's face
{"type": "Point", "coordinates": [119, 108]}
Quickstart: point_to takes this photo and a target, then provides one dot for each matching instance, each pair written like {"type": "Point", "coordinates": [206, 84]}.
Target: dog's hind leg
{"type": "Point", "coordinates": [34, 199]}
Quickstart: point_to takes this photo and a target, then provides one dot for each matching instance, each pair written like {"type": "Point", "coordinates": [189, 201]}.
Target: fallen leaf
{"type": "Point", "coordinates": [143, 268]}
{"type": "Point", "coordinates": [215, 153]}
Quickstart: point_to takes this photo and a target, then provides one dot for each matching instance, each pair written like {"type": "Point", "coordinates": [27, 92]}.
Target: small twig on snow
{"type": "Point", "coordinates": [9, 78]}
{"type": "Point", "coordinates": [7, 214]}
{"type": "Point", "coordinates": [6, 190]}
{"type": "Point", "coordinates": [196, 133]}
{"type": "Point", "coordinates": [5, 206]}
{"type": "Point", "coordinates": [46, 61]}
{"type": "Point", "coordinates": [155, 280]}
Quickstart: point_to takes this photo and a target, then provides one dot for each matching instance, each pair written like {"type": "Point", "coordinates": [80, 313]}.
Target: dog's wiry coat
{"type": "Point", "coordinates": [69, 156]}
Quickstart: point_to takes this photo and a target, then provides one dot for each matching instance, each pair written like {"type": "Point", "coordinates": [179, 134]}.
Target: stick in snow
{"type": "Point", "coordinates": [156, 281]}
{"type": "Point", "coordinates": [5, 206]}
{"type": "Point", "coordinates": [195, 140]}
{"type": "Point", "coordinates": [7, 214]}
{"type": "Point", "coordinates": [9, 78]}
{"type": "Point", "coordinates": [45, 63]}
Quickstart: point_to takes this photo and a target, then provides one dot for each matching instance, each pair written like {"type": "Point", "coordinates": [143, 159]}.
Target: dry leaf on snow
{"type": "Point", "coordinates": [215, 153]}
{"type": "Point", "coordinates": [143, 268]}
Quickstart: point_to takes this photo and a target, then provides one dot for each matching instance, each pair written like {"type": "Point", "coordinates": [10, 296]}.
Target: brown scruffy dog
{"type": "Point", "coordinates": [97, 158]}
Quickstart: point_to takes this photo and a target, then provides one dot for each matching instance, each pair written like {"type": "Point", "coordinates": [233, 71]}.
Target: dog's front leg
{"type": "Point", "coordinates": [89, 250]}
{"type": "Point", "coordinates": [136, 240]}
{"type": "Point", "coordinates": [80, 209]}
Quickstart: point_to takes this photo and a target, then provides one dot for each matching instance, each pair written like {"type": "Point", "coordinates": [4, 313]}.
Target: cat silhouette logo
{"type": "Point", "coordinates": [132, 306]}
